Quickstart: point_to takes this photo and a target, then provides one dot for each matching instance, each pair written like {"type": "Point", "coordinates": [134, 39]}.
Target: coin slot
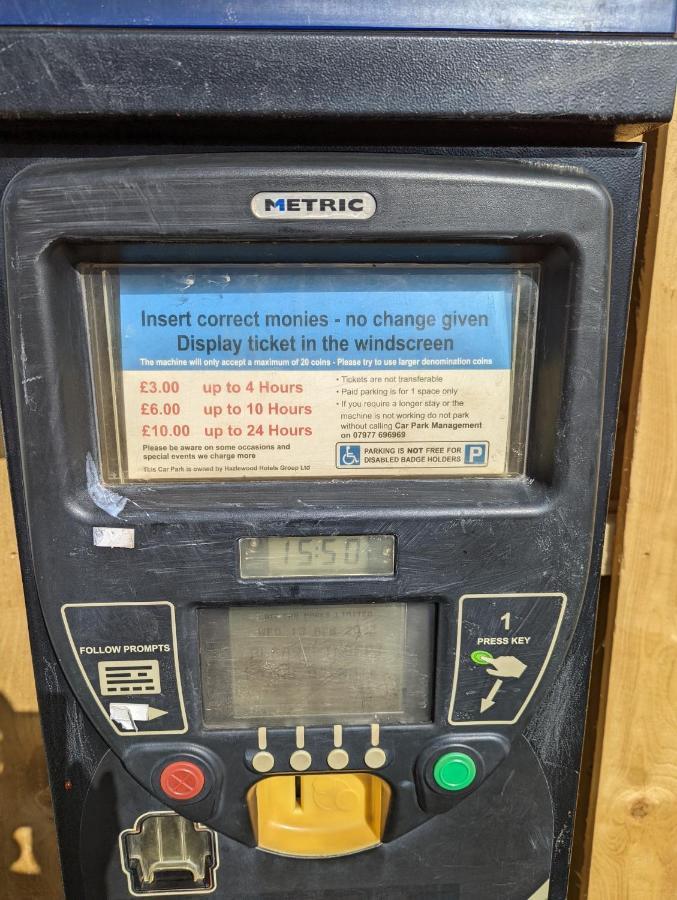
{"type": "Point", "coordinates": [319, 815]}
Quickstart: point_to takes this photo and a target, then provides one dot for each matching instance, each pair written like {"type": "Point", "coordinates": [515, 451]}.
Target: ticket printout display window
{"type": "Point", "coordinates": [313, 527]}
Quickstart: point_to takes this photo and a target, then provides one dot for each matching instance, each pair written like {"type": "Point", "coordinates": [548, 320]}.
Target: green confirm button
{"type": "Point", "coordinates": [454, 771]}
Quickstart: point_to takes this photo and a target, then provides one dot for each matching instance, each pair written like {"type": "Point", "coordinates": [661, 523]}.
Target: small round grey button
{"type": "Point", "coordinates": [300, 760]}
{"type": "Point", "coordinates": [263, 761]}
{"type": "Point", "coordinates": [337, 758]}
{"type": "Point", "coordinates": [375, 757]}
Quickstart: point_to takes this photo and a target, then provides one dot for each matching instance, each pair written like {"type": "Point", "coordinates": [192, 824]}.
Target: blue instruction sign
{"type": "Point", "coordinates": [251, 371]}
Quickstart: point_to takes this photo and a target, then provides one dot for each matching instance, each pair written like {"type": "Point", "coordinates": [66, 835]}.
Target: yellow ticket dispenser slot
{"type": "Point", "coordinates": [319, 815]}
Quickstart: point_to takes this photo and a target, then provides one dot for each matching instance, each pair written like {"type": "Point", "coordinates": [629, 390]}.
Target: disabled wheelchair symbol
{"type": "Point", "coordinates": [349, 455]}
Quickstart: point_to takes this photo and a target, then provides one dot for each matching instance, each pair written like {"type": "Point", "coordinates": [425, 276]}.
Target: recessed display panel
{"type": "Point", "coordinates": [316, 664]}
{"type": "Point", "coordinates": [328, 556]}
{"type": "Point", "coordinates": [310, 371]}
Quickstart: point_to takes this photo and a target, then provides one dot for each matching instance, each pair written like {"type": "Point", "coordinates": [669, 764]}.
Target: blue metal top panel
{"type": "Point", "coordinates": [620, 16]}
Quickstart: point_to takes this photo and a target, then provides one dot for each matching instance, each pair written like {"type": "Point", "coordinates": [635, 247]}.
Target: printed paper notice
{"type": "Point", "coordinates": [290, 371]}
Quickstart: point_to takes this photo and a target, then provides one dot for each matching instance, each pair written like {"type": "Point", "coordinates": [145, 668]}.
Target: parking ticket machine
{"type": "Point", "coordinates": [310, 449]}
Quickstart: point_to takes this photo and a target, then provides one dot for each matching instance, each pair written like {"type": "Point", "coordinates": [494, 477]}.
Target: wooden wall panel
{"type": "Point", "coordinates": [29, 866]}
{"type": "Point", "coordinates": [634, 836]}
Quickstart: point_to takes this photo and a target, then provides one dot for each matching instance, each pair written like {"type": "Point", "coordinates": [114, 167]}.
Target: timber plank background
{"type": "Point", "coordinates": [633, 827]}
{"type": "Point", "coordinates": [29, 866]}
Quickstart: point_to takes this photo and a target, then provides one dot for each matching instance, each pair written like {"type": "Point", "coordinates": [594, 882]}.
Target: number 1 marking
{"type": "Point", "coordinates": [506, 619]}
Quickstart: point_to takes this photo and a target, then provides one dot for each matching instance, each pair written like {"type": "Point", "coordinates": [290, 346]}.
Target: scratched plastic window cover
{"type": "Point", "coordinates": [330, 664]}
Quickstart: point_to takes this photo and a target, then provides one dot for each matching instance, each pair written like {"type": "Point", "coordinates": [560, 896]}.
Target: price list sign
{"type": "Point", "coordinates": [290, 371]}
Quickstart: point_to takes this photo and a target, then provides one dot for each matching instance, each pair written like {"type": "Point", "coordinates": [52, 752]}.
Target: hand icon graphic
{"type": "Point", "coordinates": [506, 667]}
{"type": "Point", "coordinates": [498, 666]}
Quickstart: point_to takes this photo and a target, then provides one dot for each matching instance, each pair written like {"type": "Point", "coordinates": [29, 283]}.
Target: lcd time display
{"type": "Point", "coordinates": [310, 371]}
{"type": "Point", "coordinates": [330, 556]}
{"type": "Point", "coordinates": [316, 664]}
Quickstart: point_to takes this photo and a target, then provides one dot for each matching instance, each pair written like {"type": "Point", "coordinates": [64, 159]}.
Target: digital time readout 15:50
{"type": "Point", "coordinates": [318, 557]}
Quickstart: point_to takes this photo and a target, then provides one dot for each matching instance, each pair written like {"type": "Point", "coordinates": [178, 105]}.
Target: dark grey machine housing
{"type": "Point", "coordinates": [530, 535]}
{"type": "Point", "coordinates": [172, 198]}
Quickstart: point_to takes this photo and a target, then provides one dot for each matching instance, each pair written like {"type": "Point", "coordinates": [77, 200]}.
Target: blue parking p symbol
{"type": "Point", "coordinates": [475, 454]}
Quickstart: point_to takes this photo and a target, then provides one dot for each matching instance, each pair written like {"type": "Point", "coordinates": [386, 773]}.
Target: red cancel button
{"type": "Point", "coordinates": [182, 780]}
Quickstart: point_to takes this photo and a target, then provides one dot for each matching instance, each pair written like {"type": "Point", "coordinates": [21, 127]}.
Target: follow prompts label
{"type": "Point", "coordinates": [307, 371]}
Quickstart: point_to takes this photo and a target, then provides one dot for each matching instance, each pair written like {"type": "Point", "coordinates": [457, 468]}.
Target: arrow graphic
{"type": "Point", "coordinates": [126, 715]}
{"type": "Point", "coordinates": [488, 701]}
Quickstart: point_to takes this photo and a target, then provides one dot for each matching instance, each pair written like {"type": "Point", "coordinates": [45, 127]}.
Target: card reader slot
{"type": "Point", "coordinates": [166, 853]}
